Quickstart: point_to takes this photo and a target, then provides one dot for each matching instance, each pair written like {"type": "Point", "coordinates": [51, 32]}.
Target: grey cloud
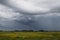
{"type": "Point", "coordinates": [33, 6]}
{"type": "Point", "coordinates": [21, 19]}
{"type": "Point", "coordinates": [11, 20]}
{"type": "Point", "coordinates": [55, 10]}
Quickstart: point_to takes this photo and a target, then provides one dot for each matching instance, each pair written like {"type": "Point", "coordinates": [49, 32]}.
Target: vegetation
{"type": "Point", "coordinates": [29, 35]}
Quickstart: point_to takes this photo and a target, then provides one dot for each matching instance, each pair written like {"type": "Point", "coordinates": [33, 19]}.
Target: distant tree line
{"type": "Point", "coordinates": [24, 31]}
{"type": "Point", "coordinates": [27, 31]}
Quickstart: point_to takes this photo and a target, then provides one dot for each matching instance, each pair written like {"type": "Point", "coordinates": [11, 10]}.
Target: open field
{"type": "Point", "coordinates": [29, 35]}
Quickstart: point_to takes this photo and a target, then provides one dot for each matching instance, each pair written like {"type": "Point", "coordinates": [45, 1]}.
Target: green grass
{"type": "Point", "coordinates": [29, 35]}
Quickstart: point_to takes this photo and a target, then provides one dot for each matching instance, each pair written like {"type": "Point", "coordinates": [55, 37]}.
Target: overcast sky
{"type": "Point", "coordinates": [30, 14]}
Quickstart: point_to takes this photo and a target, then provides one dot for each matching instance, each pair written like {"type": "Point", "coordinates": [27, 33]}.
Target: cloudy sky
{"type": "Point", "coordinates": [30, 14]}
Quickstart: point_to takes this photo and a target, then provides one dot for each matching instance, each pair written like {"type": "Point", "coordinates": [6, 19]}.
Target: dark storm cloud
{"type": "Point", "coordinates": [11, 20]}
{"type": "Point", "coordinates": [31, 14]}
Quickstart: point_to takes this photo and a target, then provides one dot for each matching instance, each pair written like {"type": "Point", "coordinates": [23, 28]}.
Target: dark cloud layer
{"type": "Point", "coordinates": [27, 16]}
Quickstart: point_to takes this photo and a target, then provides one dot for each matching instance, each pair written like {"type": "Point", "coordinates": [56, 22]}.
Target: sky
{"type": "Point", "coordinates": [30, 15]}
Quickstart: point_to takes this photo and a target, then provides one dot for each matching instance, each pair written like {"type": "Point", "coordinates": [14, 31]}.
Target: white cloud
{"type": "Point", "coordinates": [34, 6]}
{"type": "Point", "coordinates": [27, 6]}
{"type": "Point", "coordinates": [8, 13]}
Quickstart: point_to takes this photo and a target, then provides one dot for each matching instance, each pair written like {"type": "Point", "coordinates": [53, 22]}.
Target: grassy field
{"type": "Point", "coordinates": [29, 35]}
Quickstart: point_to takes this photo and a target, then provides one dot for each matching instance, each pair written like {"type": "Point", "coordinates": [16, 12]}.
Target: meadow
{"type": "Point", "coordinates": [29, 35]}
